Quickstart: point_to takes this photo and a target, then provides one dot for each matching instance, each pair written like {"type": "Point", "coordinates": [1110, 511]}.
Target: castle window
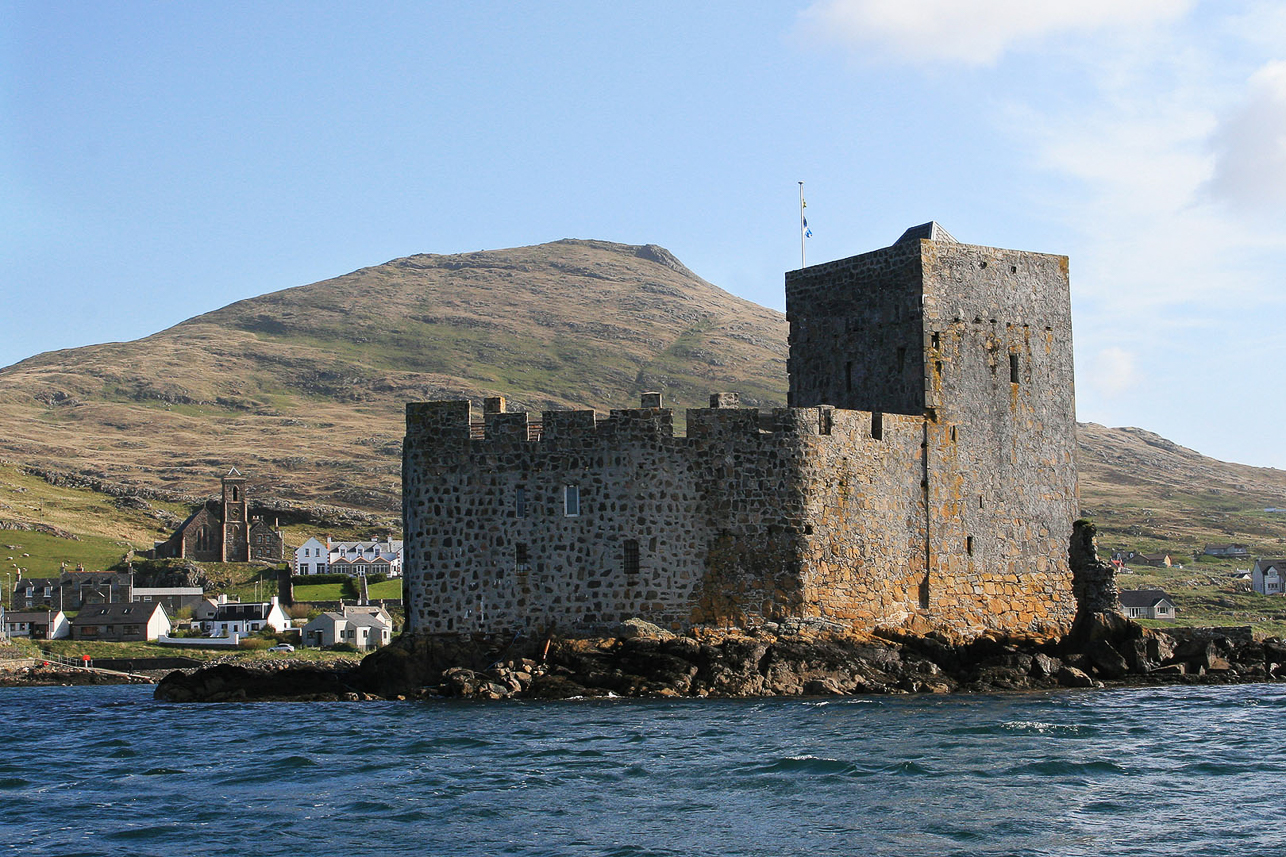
{"type": "Point", "coordinates": [937, 340]}
{"type": "Point", "coordinates": [953, 434]}
{"type": "Point", "coordinates": [902, 358]}
{"type": "Point", "coordinates": [969, 545]}
{"type": "Point", "coordinates": [1013, 368]}
{"type": "Point", "coordinates": [520, 502]}
{"type": "Point", "coordinates": [571, 500]}
{"type": "Point", "coordinates": [521, 558]}
{"type": "Point", "coordinates": [877, 425]}
{"type": "Point", "coordinates": [234, 493]}
{"type": "Point", "coordinates": [630, 559]}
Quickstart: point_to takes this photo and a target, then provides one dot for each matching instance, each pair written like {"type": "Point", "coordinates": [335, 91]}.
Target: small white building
{"type": "Point", "coordinates": [1146, 604]}
{"type": "Point", "coordinates": [37, 624]}
{"type": "Point", "coordinates": [361, 627]}
{"type": "Point", "coordinates": [354, 558]}
{"type": "Point", "coordinates": [245, 619]}
{"type": "Point", "coordinates": [1267, 576]}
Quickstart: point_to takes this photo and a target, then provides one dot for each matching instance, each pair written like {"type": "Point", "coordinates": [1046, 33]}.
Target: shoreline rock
{"type": "Point", "coordinates": [1105, 650]}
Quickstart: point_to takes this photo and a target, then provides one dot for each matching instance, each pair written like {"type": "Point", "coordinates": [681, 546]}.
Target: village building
{"type": "Point", "coordinates": [244, 619]}
{"type": "Point", "coordinates": [1267, 576]}
{"type": "Point", "coordinates": [358, 559]}
{"type": "Point", "coordinates": [72, 590]}
{"type": "Point", "coordinates": [37, 624]}
{"type": "Point", "coordinates": [1233, 550]}
{"type": "Point", "coordinates": [120, 623]}
{"type": "Point", "coordinates": [172, 598]}
{"type": "Point", "coordinates": [1147, 604]}
{"type": "Point", "coordinates": [360, 626]}
{"type": "Point", "coordinates": [922, 476]}
{"type": "Point", "coordinates": [224, 531]}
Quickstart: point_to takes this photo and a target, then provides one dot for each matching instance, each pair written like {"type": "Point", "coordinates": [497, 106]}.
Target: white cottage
{"type": "Point", "coordinates": [1267, 576]}
{"type": "Point", "coordinates": [245, 619]}
{"type": "Point", "coordinates": [362, 627]}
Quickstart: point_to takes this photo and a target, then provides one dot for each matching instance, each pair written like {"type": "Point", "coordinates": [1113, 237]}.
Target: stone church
{"type": "Point", "coordinates": [224, 532]}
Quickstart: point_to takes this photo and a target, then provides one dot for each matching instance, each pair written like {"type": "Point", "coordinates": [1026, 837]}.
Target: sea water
{"type": "Point", "coordinates": [1173, 771]}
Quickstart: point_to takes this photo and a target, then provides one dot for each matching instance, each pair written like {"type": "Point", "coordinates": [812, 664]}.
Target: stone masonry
{"type": "Point", "coordinates": [922, 478]}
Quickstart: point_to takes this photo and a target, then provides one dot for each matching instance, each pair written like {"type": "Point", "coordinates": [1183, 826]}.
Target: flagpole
{"type": "Point", "coordinates": [802, 258]}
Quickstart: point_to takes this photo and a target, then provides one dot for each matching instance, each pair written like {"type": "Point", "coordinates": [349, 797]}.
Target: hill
{"type": "Point", "coordinates": [304, 389]}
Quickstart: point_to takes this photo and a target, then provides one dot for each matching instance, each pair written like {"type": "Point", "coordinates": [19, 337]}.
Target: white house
{"type": "Point", "coordinates": [362, 627]}
{"type": "Point", "coordinates": [1267, 576]}
{"type": "Point", "coordinates": [312, 557]}
{"type": "Point", "coordinates": [245, 619]}
{"type": "Point", "coordinates": [353, 558]}
{"type": "Point", "coordinates": [37, 624]}
{"type": "Point", "coordinates": [1146, 604]}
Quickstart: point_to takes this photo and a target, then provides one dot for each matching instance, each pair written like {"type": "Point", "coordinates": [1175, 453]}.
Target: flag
{"type": "Point", "coordinates": [808, 233]}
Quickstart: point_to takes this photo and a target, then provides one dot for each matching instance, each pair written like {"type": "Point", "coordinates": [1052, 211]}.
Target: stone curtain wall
{"type": "Point", "coordinates": [465, 537]}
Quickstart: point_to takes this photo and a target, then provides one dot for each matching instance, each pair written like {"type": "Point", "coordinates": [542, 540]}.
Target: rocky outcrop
{"type": "Point", "coordinates": [228, 683]}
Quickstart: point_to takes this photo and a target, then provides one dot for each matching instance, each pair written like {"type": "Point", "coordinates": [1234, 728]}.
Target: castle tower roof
{"type": "Point", "coordinates": [932, 231]}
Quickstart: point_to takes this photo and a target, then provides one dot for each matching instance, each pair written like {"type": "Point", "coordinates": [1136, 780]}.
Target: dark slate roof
{"type": "Point", "coordinates": [37, 616]}
{"type": "Point", "coordinates": [107, 614]}
{"type": "Point", "coordinates": [241, 612]}
{"type": "Point", "coordinates": [37, 582]}
{"type": "Point", "coordinates": [932, 231]}
{"type": "Point", "coordinates": [1143, 597]}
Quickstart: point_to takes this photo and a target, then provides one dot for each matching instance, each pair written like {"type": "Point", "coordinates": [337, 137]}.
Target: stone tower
{"type": "Point", "coordinates": [236, 543]}
{"type": "Point", "coordinates": [977, 341]}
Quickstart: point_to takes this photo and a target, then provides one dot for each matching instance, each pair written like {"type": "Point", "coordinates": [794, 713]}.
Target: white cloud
{"type": "Point", "coordinates": [972, 33]}
{"type": "Point", "coordinates": [1114, 371]}
{"type": "Point", "coordinates": [1250, 145]}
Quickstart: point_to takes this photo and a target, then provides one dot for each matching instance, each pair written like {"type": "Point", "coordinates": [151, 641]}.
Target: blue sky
{"type": "Point", "coordinates": [158, 160]}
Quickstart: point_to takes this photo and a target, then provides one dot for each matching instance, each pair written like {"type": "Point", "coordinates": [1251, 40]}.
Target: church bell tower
{"type": "Point", "coordinates": [236, 543]}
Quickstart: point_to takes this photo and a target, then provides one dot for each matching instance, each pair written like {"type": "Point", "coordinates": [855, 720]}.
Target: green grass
{"type": "Point", "coordinates": [47, 553]}
{"type": "Point", "coordinates": [386, 589]}
{"type": "Point", "coordinates": [312, 592]}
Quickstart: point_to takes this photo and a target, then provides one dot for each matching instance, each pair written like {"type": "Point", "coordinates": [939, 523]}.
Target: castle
{"type": "Point", "coordinates": [227, 534]}
{"type": "Point", "coordinates": [922, 476]}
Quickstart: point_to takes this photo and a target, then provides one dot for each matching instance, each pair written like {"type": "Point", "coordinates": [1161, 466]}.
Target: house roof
{"type": "Point", "coordinates": [932, 230]}
{"type": "Point", "coordinates": [104, 614]}
{"type": "Point", "coordinates": [36, 582]}
{"type": "Point", "coordinates": [242, 612]}
{"type": "Point", "coordinates": [1143, 597]}
{"type": "Point", "coordinates": [1265, 564]}
{"type": "Point", "coordinates": [31, 615]}
{"type": "Point", "coordinates": [1209, 548]}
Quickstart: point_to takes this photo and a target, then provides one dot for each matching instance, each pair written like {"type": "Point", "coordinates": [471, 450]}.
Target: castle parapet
{"type": "Point", "coordinates": [441, 422]}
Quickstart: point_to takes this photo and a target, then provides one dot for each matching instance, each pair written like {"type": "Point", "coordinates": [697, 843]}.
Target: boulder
{"type": "Point", "coordinates": [1072, 677]}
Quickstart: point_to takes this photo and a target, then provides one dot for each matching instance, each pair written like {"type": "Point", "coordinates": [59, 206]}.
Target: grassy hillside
{"type": "Point", "coordinates": [304, 390]}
